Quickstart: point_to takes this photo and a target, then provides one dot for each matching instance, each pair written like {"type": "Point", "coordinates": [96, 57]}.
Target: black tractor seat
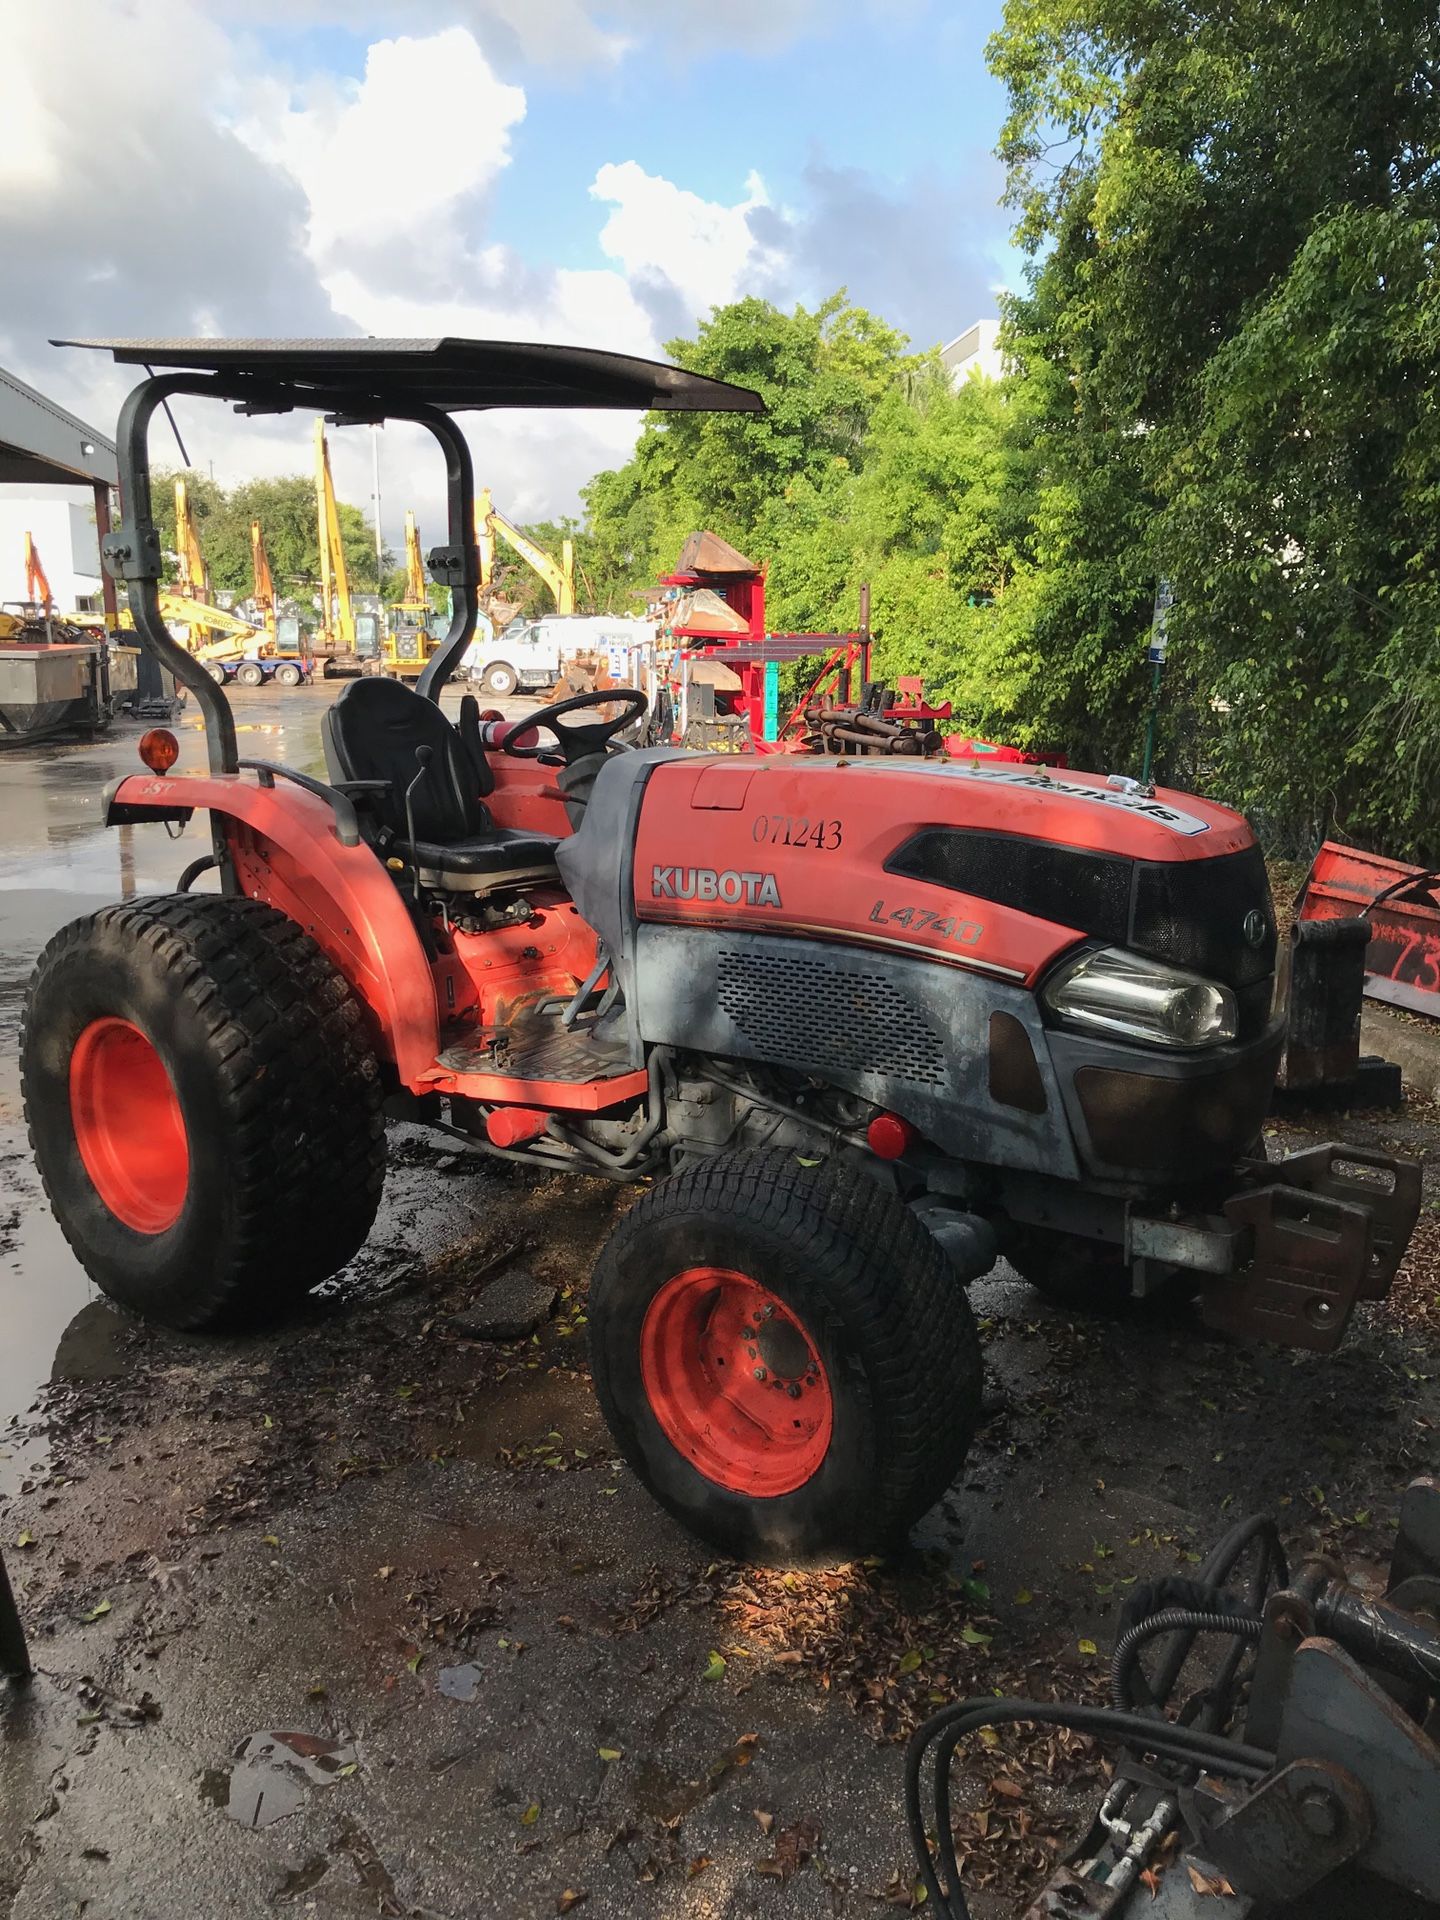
{"type": "Point", "coordinates": [375, 732]}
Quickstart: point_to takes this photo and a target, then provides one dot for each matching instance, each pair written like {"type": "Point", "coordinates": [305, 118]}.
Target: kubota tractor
{"type": "Point", "coordinates": [857, 1023]}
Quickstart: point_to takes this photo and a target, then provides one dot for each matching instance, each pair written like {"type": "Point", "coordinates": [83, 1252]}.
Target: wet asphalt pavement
{"type": "Point", "coordinates": [362, 1616]}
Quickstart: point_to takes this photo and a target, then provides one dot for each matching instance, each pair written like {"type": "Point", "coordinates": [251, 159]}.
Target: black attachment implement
{"type": "Point", "coordinates": [1304, 1770]}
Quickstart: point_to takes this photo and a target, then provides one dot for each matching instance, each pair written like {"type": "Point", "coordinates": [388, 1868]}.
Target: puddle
{"type": "Point", "coordinates": [273, 1774]}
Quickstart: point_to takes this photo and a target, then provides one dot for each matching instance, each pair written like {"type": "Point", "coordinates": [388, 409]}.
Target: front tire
{"type": "Point", "coordinates": [204, 1106]}
{"type": "Point", "coordinates": [784, 1357]}
{"type": "Point", "coordinates": [500, 679]}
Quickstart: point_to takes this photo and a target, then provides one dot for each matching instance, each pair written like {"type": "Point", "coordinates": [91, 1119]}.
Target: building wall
{"type": "Point", "coordinates": [61, 521]}
{"type": "Point", "coordinates": [976, 350]}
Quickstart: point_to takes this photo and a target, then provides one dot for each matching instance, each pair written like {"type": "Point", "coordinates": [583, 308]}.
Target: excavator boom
{"type": "Point", "coordinates": [264, 594]}
{"type": "Point", "coordinates": [337, 613]}
{"type": "Point", "coordinates": [559, 578]}
{"type": "Point", "coordinates": [37, 587]}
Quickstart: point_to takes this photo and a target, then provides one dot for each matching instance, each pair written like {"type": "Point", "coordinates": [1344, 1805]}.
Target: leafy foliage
{"type": "Point", "coordinates": [285, 509]}
{"type": "Point", "coordinates": [1234, 210]}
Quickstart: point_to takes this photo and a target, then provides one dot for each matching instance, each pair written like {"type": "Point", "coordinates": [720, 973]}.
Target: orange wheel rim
{"type": "Point", "coordinates": [735, 1382]}
{"type": "Point", "coordinates": [128, 1125]}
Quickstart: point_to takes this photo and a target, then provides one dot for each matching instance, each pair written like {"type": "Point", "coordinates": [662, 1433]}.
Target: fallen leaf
{"type": "Point", "coordinates": [910, 1661]}
{"type": "Point", "coordinates": [714, 1666]}
{"type": "Point", "coordinates": [413, 1663]}
{"type": "Point", "coordinates": [384, 1573]}
{"type": "Point", "coordinates": [792, 1849]}
{"type": "Point", "coordinates": [27, 1539]}
{"type": "Point", "coordinates": [1151, 1879]}
{"type": "Point", "coordinates": [531, 1814]}
{"type": "Point", "coordinates": [609, 1753]}
{"type": "Point", "coordinates": [97, 1613]}
{"type": "Point", "coordinates": [1088, 1646]}
{"type": "Point", "coordinates": [765, 1821]}
{"type": "Point", "coordinates": [698, 1865]}
{"type": "Point", "coordinates": [1215, 1885]}
{"type": "Point", "coordinates": [570, 1898]}
{"type": "Point", "coordinates": [270, 1540]}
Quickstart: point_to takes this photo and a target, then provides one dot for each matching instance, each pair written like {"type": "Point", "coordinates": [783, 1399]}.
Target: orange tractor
{"type": "Point", "coordinates": [860, 1021]}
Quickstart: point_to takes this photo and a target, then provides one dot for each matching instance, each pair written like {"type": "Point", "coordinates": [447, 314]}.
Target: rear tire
{"type": "Point", "coordinates": [870, 1339]}
{"type": "Point", "coordinates": [216, 672]}
{"type": "Point", "coordinates": [288, 676]}
{"type": "Point", "coordinates": [499, 678]}
{"type": "Point", "coordinates": [204, 1106]}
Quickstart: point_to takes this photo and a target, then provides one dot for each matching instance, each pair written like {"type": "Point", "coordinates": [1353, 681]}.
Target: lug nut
{"type": "Point", "coordinates": [759, 1373]}
{"type": "Point", "coordinates": [794, 1389]}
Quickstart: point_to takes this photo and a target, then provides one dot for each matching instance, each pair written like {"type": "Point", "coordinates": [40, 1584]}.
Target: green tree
{"type": "Point", "coordinates": [1227, 357]}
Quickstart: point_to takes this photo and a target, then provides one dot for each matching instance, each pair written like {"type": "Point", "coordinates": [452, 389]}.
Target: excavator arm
{"type": "Point", "coordinates": [559, 578]}
{"type": "Point", "coordinates": [37, 587]}
{"type": "Point", "coordinates": [337, 612]}
{"type": "Point", "coordinates": [264, 594]}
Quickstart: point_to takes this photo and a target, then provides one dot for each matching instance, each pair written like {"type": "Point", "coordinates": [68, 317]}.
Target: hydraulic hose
{"type": "Point", "coordinates": [1188, 1620]}
{"type": "Point", "coordinates": [1188, 1746]}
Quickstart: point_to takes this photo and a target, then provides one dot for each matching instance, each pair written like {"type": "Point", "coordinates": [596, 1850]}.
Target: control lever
{"type": "Point", "coordinates": [423, 758]}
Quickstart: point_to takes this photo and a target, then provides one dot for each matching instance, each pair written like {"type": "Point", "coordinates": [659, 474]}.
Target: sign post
{"type": "Point", "coordinates": [1156, 647]}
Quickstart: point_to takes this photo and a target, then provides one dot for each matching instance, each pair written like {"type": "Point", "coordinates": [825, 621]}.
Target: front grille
{"type": "Point", "coordinates": [828, 1018]}
{"type": "Point", "coordinates": [1193, 912]}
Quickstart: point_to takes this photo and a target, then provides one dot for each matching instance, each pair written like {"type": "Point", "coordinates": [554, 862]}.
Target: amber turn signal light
{"type": "Point", "coordinates": [159, 749]}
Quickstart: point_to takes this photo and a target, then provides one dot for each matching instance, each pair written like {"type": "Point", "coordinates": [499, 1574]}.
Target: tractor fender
{"type": "Point", "coordinates": [285, 851]}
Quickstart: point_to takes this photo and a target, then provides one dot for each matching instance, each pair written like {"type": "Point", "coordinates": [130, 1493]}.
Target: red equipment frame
{"type": "Point", "coordinates": [1402, 906]}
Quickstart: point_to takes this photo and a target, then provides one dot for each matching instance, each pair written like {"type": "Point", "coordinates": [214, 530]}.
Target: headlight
{"type": "Point", "coordinates": [1112, 991]}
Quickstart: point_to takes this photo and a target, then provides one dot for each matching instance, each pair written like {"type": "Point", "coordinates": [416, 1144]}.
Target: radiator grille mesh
{"type": "Point", "coordinates": [827, 1018]}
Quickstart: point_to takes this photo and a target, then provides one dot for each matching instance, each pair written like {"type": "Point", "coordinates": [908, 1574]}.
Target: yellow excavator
{"type": "Point", "coordinates": [559, 576]}
{"type": "Point", "coordinates": [346, 640]}
{"type": "Point", "coordinates": [408, 642]}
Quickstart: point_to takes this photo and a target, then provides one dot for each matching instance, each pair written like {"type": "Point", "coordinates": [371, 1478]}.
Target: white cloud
{"type": "Point", "coordinates": [663, 236]}
{"type": "Point", "coordinates": [398, 154]}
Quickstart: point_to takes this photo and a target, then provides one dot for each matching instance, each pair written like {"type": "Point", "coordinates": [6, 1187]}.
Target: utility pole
{"type": "Point", "coordinates": [379, 541]}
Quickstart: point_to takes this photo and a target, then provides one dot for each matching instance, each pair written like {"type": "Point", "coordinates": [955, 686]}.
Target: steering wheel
{"type": "Point", "coordinates": [577, 742]}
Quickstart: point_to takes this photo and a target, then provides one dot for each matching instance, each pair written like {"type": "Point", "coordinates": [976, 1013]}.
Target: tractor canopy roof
{"type": "Point", "coordinates": [364, 378]}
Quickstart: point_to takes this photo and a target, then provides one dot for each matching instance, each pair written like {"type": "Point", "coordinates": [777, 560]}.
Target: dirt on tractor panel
{"type": "Point", "coordinates": [416, 1554]}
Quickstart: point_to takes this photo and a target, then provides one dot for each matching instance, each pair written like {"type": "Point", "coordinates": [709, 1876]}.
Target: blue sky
{"type": "Point", "coordinates": [602, 171]}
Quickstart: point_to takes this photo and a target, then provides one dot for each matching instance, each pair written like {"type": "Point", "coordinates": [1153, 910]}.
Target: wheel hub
{"type": "Point", "coordinates": [129, 1129]}
{"type": "Point", "coordinates": [735, 1382]}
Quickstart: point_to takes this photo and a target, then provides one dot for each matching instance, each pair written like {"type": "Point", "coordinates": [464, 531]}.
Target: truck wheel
{"type": "Point", "coordinates": [784, 1357]}
{"type": "Point", "coordinates": [216, 672]}
{"type": "Point", "coordinates": [250, 675]}
{"type": "Point", "coordinates": [204, 1106]}
{"type": "Point", "coordinates": [499, 678]}
{"type": "Point", "coordinates": [288, 676]}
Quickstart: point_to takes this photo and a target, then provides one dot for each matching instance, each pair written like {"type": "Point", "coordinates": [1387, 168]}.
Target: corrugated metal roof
{"type": "Point", "coordinates": [40, 442]}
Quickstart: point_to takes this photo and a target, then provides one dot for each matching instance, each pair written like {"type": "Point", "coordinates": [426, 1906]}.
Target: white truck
{"type": "Point", "coordinates": [533, 654]}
